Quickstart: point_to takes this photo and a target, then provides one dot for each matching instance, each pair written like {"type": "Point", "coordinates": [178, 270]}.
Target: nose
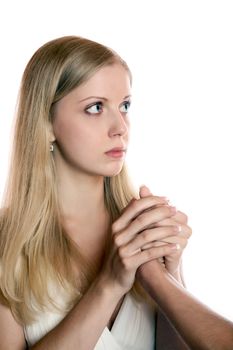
{"type": "Point", "coordinates": [119, 125]}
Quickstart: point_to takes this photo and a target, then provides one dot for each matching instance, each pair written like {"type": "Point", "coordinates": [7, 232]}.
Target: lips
{"type": "Point", "coordinates": [117, 149]}
{"type": "Point", "coordinates": [117, 152]}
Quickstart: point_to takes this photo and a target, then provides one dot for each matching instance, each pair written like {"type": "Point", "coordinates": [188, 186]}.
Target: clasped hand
{"type": "Point", "coordinates": [148, 229]}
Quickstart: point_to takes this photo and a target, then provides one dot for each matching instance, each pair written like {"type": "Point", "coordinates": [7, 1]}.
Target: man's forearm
{"type": "Point", "coordinates": [200, 327]}
{"type": "Point", "coordinates": [167, 336]}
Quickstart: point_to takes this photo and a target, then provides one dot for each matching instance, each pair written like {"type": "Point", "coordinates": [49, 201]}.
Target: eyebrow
{"type": "Point", "coordinates": [100, 98]}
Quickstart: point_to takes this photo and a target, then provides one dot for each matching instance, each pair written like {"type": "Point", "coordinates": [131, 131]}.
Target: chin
{"type": "Point", "coordinates": [113, 172]}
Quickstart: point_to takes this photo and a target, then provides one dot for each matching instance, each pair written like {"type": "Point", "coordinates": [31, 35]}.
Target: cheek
{"type": "Point", "coordinates": [66, 132]}
{"type": "Point", "coordinates": [73, 137]}
{"type": "Point", "coordinates": [128, 125]}
{"type": "Point", "coordinates": [128, 130]}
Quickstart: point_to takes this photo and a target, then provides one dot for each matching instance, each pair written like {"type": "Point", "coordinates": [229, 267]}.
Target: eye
{"type": "Point", "coordinates": [124, 108]}
{"type": "Point", "coordinates": [95, 108]}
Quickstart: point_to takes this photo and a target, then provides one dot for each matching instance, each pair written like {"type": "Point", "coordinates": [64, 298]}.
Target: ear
{"type": "Point", "coordinates": [52, 137]}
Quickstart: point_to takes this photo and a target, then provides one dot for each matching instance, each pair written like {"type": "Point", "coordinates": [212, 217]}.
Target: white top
{"type": "Point", "coordinates": [133, 329]}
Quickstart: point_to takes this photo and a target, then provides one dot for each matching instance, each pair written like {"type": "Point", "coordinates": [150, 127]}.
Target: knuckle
{"type": "Point", "coordinates": [183, 217]}
{"type": "Point", "coordinates": [158, 244]}
{"type": "Point", "coordinates": [165, 212]}
{"type": "Point", "coordinates": [183, 242]}
{"type": "Point", "coordinates": [115, 227]}
{"type": "Point", "coordinates": [150, 253]}
{"type": "Point", "coordinates": [134, 205]}
{"type": "Point", "coordinates": [140, 220]}
{"type": "Point", "coordinates": [189, 232]}
{"type": "Point", "coordinates": [121, 253]}
{"type": "Point", "coordinates": [165, 249]}
{"type": "Point", "coordinates": [126, 264]}
{"type": "Point", "coordinates": [170, 210]}
{"type": "Point", "coordinates": [145, 235]}
{"type": "Point", "coordinates": [117, 240]}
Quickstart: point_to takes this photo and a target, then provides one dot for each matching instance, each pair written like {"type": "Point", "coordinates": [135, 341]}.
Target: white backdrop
{"type": "Point", "coordinates": [180, 53]}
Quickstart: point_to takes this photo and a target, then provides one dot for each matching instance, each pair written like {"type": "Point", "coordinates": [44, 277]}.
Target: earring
{"type": "Point", "coordinates": [51, 148]}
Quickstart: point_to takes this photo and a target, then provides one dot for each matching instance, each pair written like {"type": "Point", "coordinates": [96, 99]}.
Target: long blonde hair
{"type": "Point", "coordinates": [34, 248]}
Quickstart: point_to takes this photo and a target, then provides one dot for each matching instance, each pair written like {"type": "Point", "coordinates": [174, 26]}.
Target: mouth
{"type": "Point", "coordinates": [117, 152]}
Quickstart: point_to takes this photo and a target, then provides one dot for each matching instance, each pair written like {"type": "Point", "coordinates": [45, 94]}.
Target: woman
{"type": "Point", "coordinates": [73, 232]}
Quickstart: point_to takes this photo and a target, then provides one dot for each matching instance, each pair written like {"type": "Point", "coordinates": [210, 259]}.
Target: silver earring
{"type": "Point", "coordinates": [51, 148]}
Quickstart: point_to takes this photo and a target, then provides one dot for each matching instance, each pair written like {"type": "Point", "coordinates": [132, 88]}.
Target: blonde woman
{"type": "Point", "coordinates": [73, 234]}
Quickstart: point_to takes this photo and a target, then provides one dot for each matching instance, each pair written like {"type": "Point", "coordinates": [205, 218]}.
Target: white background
{"type": "Point", "coordinates": [180, 53]}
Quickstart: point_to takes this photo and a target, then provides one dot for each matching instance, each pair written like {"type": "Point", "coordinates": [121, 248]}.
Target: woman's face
{"type": "Point", "coordinates": [91, 123]}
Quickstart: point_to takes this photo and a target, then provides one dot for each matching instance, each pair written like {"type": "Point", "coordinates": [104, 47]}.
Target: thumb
{"type": "Point", "coordinates": [144, 191]}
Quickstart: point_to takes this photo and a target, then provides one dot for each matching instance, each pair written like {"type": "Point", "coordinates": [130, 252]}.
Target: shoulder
{"type": "Point", "coordinates": [11, 332]}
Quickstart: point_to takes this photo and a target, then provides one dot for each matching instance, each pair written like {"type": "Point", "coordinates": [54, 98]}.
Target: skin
{"type": "Point", "coordinates": [179, 221]}
{"type": "Point", "coordinates": [82, 133]}
{"type": "Point", "coordinates": [198, 326]}
{"type": "Point", "coordinates": [183, 322]}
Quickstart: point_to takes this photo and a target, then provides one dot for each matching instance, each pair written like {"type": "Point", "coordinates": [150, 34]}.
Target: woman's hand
{"type": "Point", "coordinates": [172, 262]}
{"type": "Point", "coordinates": [130, 233]}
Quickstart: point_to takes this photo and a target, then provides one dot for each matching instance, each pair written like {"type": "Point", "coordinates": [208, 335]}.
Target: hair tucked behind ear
{"type": "Point", "coordinates": [29, 262]}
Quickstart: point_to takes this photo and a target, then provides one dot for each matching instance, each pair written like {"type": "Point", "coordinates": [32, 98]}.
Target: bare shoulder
{"type": "Point", "coordinates": [11, 333]}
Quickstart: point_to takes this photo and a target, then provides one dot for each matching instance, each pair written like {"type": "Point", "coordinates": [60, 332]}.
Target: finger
{"type": "Point", "coordinates": [147, 238]}
{"type": "Point", "coordinates": [180, 217]}
{"type": "Point", "coordinates": [141, 223]}
{"type": "Point", "coordinates": [136, 207]}
{"type": "Point", "coordinates": [144, 191]}
{"type": "Point", "coordinates": [185, 230]}
{"type": "Point", "coordinates": [153, 253]}
{"type": "Point", "coordinates": [180, 241]}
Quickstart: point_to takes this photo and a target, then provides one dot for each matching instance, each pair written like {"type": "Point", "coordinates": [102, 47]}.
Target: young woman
{"type": "Point", "coordinates": [73, 234]}
{"type": "Point", "coordinates": [69, 252]}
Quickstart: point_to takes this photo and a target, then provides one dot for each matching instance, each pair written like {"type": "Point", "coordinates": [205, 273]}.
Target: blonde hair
{"type": "Point", "coordinates": [30, 215]}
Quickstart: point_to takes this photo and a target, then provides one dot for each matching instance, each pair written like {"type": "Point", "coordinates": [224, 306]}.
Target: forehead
{"type": "Point", "coordinates": [109, 80]}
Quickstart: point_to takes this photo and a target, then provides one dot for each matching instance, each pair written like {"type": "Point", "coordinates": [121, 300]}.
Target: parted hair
{"type": "Point", "coordinates": [35, 251]}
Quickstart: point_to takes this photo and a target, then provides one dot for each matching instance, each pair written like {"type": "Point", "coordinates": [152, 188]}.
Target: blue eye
{"type": "Point", "coordinates": [125, 107]}
{"type": "Point", "coordinates": [96, 108]}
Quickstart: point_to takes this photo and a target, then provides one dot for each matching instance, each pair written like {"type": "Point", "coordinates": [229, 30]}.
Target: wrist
{"type": "Point", "coordinates": [157, 281]}
{"type": "Point", "coordinates": [151, 275]}
{"type": "Point", "coordinates": [178, 275]}
{"type": "Point", "coordinates": [109, 288]}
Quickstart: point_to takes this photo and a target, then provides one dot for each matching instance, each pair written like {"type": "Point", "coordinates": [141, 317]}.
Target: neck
{"type": "Point", "coordinates": [80, 195]}
{"type": "Point", "coordinates": [84, 215]}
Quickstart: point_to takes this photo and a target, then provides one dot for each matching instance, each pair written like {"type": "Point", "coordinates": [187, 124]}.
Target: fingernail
{"type": "Point", "coordinates": [177, 228]}
{"type": "Point", "coordinates": [173, 210]}
{"type": "Point", "coordinates": [165, 199]}
{"type": "Point", "coordinates": [175, 247]}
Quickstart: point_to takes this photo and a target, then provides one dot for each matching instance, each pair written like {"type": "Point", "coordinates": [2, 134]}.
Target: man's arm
{"type": "Point", "coordinates": [167, 337]}
{"type": "Point", "coordinates": [199, 327]}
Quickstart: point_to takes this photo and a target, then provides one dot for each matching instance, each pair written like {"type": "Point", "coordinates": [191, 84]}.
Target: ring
{"type": "Point", "coordinates": [139, 250]}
